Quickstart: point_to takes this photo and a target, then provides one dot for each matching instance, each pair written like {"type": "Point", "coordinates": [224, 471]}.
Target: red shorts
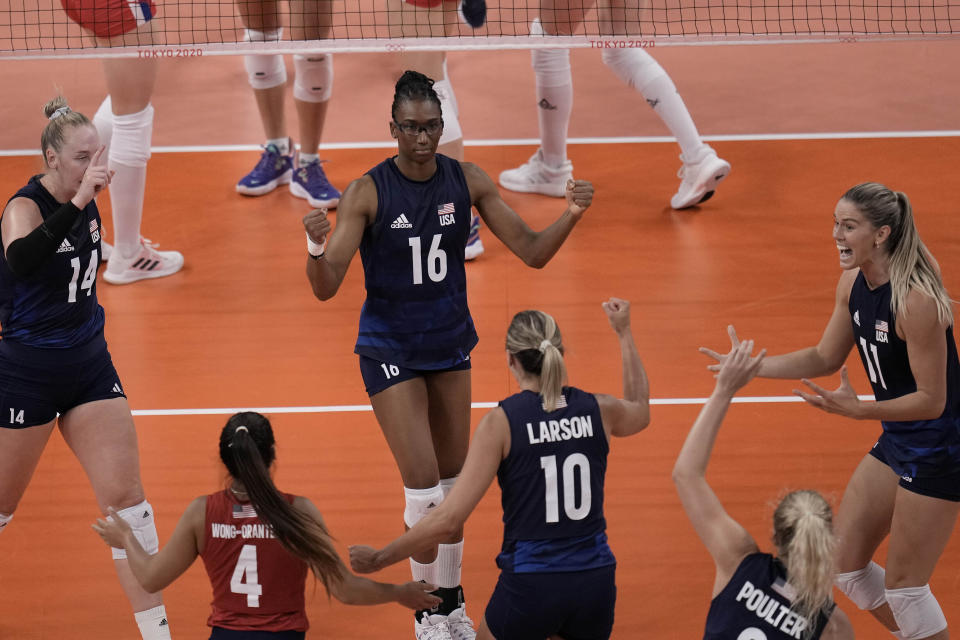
{"type": "Point", "coordinates": [428, 3]}
{"type": "Point", "coordinates": [108, 18]}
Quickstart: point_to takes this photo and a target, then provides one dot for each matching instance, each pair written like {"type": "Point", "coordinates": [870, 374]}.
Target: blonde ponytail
{"type": "Point", "coordinates": [534, 340]}
{"type": "Point", "coordinates": [803, 534]}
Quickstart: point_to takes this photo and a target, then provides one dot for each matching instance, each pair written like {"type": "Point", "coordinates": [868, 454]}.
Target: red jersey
{"type": "Point", "coordinates": [257, 584]}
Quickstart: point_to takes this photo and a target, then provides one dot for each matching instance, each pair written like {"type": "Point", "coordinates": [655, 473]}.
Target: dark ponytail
{"type": "Point", "coordinates": [413, 85]}
{"type": "Point", "coordinates": [247, 450]}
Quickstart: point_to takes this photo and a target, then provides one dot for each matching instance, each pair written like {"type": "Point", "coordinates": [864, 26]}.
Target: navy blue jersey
{"type": "Point", "coordinates": [756, 604]}
{"type": "Point", "coordinates": [552, 485]}
{"type": "Point", "coordinates": [915, 448]}
{"type": "Point", "coordinates": [55, 307]}
{"type": "Point", "coordinates": [416, 314]}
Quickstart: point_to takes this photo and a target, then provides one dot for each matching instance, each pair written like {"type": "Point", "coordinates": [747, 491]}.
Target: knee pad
{"type": "Point", "coordinates": [448, 111]}
{"type": "Point", "coordinates": [264, 71]}
{"type": "Point", "coordinates": [864, 587]}
{"type": "Point", "coordinates": [917, 612]}
{"type": "Point", "coordinates": [446, 484]}
{"type": "Point", "coordinates": [313, 81]}
{"type": "Point", "coordinates": [635, 67]}
{"type": "Point", "coordinates": [420, 502]}
{"type": "Point", "coordinates": [130, 144]}
{"type": "Point", "coordinates": [103, 122]}
{"type": "Point", "coordinates": [5, 520]}
{"type": "Point", "coordinates": [140, 519]}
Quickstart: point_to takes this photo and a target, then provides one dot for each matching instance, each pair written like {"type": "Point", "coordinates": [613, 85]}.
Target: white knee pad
{"type": "Point", "coordinates": [5, 520]}
{"type": "Point", "coordinates": [448, 111]}
{"type": "Point", "coordinates": [446, 484]}
{"type": "Point", "coordinates": [865, 587]}
{"type": "Point", "coordinates": [635, 67]}
{"type": "Point", "coordinates": [103, 122]}
{"type": "Point", "coordinates": [420, 502]}
{"type": "Point", "coordinates": [264, 71]}
{"type": "Point", "coordinates": [140, 519]}
{"type": "Point", "coordinates": [313, 81]}
{"type": "Point", "coordinates": [917, 612]}
{"type": "Point", "coordinates": [130, 144]}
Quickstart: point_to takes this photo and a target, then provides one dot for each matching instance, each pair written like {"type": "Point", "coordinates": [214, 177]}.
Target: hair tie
{"type": "Point", "coordinates": [237, 430]}
{"type": "Point", "coordinates": [544, 344]}
{"type": "Point", "coordinates": [59, 112]}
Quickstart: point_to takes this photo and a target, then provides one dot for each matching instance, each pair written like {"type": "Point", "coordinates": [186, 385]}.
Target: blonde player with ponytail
{"type": "Point", "coordinates": [758, 595]}
{"type": "Point", "coordinates": [547, 446]}
{"type": "Point", "coordinates": [891, 306]}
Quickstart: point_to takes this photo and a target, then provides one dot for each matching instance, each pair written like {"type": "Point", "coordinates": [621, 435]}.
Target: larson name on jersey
{"type": "Point", "coordinates": [563, 429]}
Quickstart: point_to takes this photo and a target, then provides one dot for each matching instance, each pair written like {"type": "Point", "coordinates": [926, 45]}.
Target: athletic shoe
{"type": "Point", "coordinates": [461, 627]}
{"type": "Point", "coordinates": [311, 182]}
{"type": "Point", "coordinates": [106, 250]}
{"type": "Point", "coordinates": [474, 247]}
{"type": "Point", "coordinates": [432, 627]}
{"type": "Point", "coordinates": [473, 12]}
{"type": "Point", "coordinates": [536, 177]}
{"type": "Point", "coordinates": [271, 171]}
{"type": "Point", "coordinates": [147, 263]}
{"type": "Point", "coordinates": [699, 179]}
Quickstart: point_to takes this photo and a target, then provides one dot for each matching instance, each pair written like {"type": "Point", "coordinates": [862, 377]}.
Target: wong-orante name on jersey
{"type": "Point", "coordinates": [246, 531]}
{"type": "Point", "coordinates": [563, 429]}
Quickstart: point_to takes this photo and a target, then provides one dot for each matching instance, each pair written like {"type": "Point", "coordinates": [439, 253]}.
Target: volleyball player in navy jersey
{"type": "Point", "coordinates": [891, 306]}
{"type": "Point", "coordinates": [257, 544]}
{"type": "Point", "coordinates": [757, 596]}
{"type": "Point", "coordinates": [410, 216]}
{"type": "Point", "coordinates": [547, 446]}
{"type": "Point", "coordinates": [53, 356]}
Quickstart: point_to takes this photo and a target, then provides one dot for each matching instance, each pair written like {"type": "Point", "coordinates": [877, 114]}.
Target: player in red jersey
{"type": "Point", "coordinates": [256, 544]}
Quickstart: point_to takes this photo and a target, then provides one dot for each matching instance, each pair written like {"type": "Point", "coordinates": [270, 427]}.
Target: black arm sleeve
{"type": "Point", "coordinates": [27, 254]}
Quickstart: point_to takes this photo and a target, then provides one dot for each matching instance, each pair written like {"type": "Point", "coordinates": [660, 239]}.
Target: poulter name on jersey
{"type": "Point", "coordinates": [563, 429]}
{"type": "Point", "coordinates": [771, 611]}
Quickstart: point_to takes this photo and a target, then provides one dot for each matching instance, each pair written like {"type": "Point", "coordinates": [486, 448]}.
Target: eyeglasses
{"type": "Point", "coordinates": [431, 128]}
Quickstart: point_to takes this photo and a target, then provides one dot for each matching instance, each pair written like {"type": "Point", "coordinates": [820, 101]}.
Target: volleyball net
{"type": "Point", "coordinates": [187, 28]}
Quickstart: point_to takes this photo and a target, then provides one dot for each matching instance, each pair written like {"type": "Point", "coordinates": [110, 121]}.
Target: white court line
{"type": "Point", "coordinates": [759, 137]}
{"type": "Point", "coordinates": [353, 408]}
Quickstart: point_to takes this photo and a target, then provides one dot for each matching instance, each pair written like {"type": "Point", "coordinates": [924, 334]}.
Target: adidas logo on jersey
{"type": "Point", "coordinates": [401, 222]}
{"type": "Point", "coordinates": [856, 317]}
{"type": "Point", "coordinates": [65, 246]}
{"type": "Point", "coordinates": [116, 388]}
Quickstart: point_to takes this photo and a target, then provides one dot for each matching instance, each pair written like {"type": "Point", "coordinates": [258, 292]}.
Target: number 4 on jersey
{"type": "Point", "coordinates": [247, 567]}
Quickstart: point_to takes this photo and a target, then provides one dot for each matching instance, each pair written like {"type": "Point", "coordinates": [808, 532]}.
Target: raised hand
{"type": "Point", "coordinates": [95, 178]}
{"type": "Point", "coordinates": [719, 357]}
{"type": "Point", "coordinates": [842, 401]}
{"type": "Point", "coordinates": [579, 196]}
{"type": "Point", "coordinates": [317, 225]}
{"type": "Point", "coordinates": [618, 313]}
{"type": "Point", "coordinates": [739, 367]}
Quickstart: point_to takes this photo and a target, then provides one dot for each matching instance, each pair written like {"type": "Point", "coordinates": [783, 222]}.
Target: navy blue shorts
{"type": "Point", "coordinates": [378, 376]}
{"type": "Point", "coordinates": [219, 633]}
{"type": "Point", "coordinates": [944, 487]}
{"type": "Point", "coordinates": [37, 384]}
{"type": "Point", "coordinates": [577, 605]}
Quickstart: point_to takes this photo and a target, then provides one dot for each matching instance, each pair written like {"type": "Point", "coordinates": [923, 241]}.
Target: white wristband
{"type": "Point", "coordinates": [314, 249]}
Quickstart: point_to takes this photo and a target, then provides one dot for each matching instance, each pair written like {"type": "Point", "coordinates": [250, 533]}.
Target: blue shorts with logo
{"type": "Point", "coordinates": [576, 605]}
{"type": "Point", "coordinates": [219, 633]}
{"type": "Point", "coordinates": [37, 384]}
{"type": "Point", "coordinates": [945, 486]}
{"type": "Point", "coordinates": [379, 376]}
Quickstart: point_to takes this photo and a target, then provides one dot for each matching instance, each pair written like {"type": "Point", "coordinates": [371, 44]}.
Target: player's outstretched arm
{"type": "Point", "coordinates": [490, 445]}
{"type": "Point", "coordinates": [535, 248]}
{"type": "Point", "coordinates": [726, 540]}
{"type": "Point", "coordinates": [356, 210]}
{"type": "Point", "coordinates": [631, 414]}
{"type": "Point", "coordinates": [156, 572]}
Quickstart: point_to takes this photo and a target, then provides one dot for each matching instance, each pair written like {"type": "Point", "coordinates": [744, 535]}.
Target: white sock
{"type": "Point", "coordinates": [424, 572]}
{"type": "Point", "coordinates": [282, 145]}
{"type": "Point", "coordinates": [103, 121]}
{"type": "Point", "coordinates": [153, 623]}
{"type": "Point", "coordinates": [449, 562]}
{"type": "Point", "coordinates": [308, 158]}
{"type": "Point", "coordinates": [554, 83]}
{"type": "Point", "coordinates": [639, 70]}
{"type": "Point", "coordinates": [129, 152]}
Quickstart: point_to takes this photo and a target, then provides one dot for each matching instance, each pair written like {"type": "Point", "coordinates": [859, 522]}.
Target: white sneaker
{"type": "Point", "coordinates": [474, 248]}
{"type": "Point", "coordinates": [536, 177]}
{"type": "Point", "coordinates": [146, 263]}
{"type": "Point", "coordinates": [461, 627]}
{"type": "Point", "coordinates": [432, 627]}
{"type": "Point", "coordinates": [106, 250]}
{"type": "Point", "coordinates": [699, 179]}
